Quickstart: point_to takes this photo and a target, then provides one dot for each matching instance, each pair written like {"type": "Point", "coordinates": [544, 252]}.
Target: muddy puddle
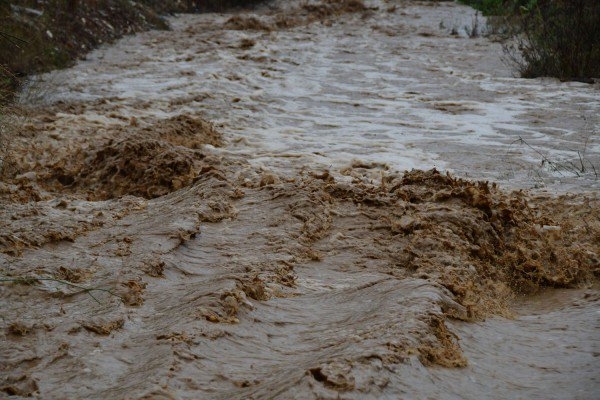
{"type": "Point", "coordinates": [315, 200]}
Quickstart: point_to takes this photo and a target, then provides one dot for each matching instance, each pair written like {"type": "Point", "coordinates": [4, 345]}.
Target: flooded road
{"type": "Point", "coordinates": [281, 251]}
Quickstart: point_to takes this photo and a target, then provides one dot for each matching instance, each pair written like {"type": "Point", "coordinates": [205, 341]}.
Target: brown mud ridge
{"type": "Point", "coordinates": [307, 13]}
{"type": "Point", "coordinates": [138, 245]}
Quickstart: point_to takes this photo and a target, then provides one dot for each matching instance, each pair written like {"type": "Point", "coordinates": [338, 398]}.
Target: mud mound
{"type": "Point", "coordinates": [483, 244]}
{"type": "Point", "coordinates": [70, 154]}
{"type": "Point", "coordinates": [137, 166]}
{"type": "Point", "coordinates": [147, 162]}
{"type": "Point", "coordinates": [502, 235]}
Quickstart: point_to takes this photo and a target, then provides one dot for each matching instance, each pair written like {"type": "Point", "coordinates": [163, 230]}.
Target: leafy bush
{"type": "Point", "coordinates": [559, 38]}
{"type": "Point", "coordinates": [500, 7]}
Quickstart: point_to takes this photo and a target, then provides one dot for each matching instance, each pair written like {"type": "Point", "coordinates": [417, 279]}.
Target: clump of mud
{"type": "Point", "coordinates": [446, 351]}
{"type": "Point", "coordinates": [240, 23]}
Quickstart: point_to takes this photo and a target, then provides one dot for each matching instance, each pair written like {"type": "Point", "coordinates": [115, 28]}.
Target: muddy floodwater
{"type": "Point", "coordinates": [313, 200]}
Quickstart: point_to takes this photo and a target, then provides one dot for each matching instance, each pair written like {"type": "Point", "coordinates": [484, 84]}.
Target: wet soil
{"type": "Point", "coordinates": [152, 246]}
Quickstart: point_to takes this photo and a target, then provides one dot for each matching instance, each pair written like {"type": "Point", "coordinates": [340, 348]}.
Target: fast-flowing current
{"type": "Point", "coordinates": [396, 86]}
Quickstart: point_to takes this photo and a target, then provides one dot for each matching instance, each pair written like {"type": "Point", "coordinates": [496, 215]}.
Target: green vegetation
{"type": "Point", "coordinates": [500, 7]}
{"type": "Point", "coordinates": [559, 38]}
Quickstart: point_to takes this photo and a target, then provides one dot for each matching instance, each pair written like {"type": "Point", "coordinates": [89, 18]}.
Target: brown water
{"type": "Point", "coordinates": [291, 258]}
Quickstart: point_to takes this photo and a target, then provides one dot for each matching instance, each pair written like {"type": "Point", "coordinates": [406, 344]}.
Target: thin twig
{"type": "Point", "coordinates": [566, 166]}
{"type": "Point", "coordinates": [575, 168]}
{"type": "Point", "coordinates": [545, 160]}
{"type": "Point", "coordinates": [581, 162]}
{"type": "Point", "coordinates": [11, 39]}
{"type": "Point", "coordinates": [594, 168]}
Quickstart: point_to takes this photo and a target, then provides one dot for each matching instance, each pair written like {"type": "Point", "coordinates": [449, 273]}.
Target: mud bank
{"type": "Point", "coordinates": [176, 229]}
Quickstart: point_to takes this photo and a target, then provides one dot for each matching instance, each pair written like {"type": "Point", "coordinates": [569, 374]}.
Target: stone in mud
{"type": "Point", "coordinates": [73, 274]}
{"type": "Point", "coordinates": [268, 179]}
{"type": "Point", "coordinates": [230, 305]}
{"type": "Point", "coordinates": [131, 292]}
{"type": "Point", "coordinates": [153, 267]}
